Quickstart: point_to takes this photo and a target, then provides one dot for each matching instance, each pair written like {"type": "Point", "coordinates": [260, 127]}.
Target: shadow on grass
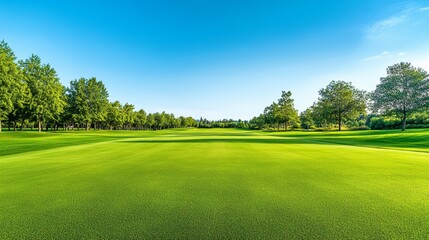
{"type": "Point", "coordinates": [13, 146]}
{"type": "Point", "coordinates": [314, 134]}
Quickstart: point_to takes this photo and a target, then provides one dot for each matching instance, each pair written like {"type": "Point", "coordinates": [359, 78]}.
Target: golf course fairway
{"type": "Point", "coordinates": [214, 184]}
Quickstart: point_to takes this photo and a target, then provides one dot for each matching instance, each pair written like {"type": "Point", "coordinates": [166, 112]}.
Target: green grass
{"type": "Point", "coordinates": [214, 184]}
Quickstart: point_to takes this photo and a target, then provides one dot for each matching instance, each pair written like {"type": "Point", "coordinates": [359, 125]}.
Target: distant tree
{"type": "Point", "coordinates": [21, 104]}
{"type": "Point", "coordinates": [97, 95]}
{"type": "Point", "coordinates": [159, 120]}
{"type": "Point", "coordinates": [129, 115]}
{"type": "Point", "coordinates": [320, 117]}
{"type": "Point", "coordinates": [115, 116]}
{"type": "Point", "coordinates": [168, 120]}
{"type": "Point", "coordinates": [287, 114]}
{"type": "Point", "coordinates": [182, 122]}
{"type": "Point", "coordinates": [403, 91]}
{"type": "Point", "coordinates": [47, 100]}
{"type": "Point", "coordinates": [241, 124]}
{"type": "Point", "coordinates": [306, 118]}
{"type": "Point", "coordinates": [78, 102]}
{"type": "Point", "coordinates": [272, 115]}
{"type": "Point", "coordinates": [176, 122]}
{"type": "Point", "coordinates": [9, 80]}
{"type": "Point", "coordinates": [88, 100]}
{"type": "Point", "coordinates": [150, 121]}
{"type": "Point", "coordinates": [190, 122]}
{"type": "Point", "coordinates": [140, 119]}
{"type": "Point", "coordinates": [340, 101]}
{"type": "Point", "coordinates": [258, 122]}
{"type": "Point", "coordinates": [204, 123]}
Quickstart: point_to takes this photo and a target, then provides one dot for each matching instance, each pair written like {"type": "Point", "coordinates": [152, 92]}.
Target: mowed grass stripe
{"type": "Point", "coordinates": [135, 188]}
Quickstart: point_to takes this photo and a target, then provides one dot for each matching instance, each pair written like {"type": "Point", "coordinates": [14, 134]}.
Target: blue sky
{"type": "Point", "coordinates": [219, 59]}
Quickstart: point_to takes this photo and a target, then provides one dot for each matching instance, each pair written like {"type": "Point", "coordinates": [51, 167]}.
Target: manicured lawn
{"type": "Point", "coordinates": [209, 184]}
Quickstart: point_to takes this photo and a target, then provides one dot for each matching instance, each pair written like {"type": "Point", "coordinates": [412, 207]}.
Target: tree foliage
{"type": "Point", "coordinates": [403, 91]}
{"type": "Point", "coordinates": [280, 113]}
{"type": "Point", "coordinates": [287, 114]}
{"type": "Point", "coordinates": [88, 100]}
{"type": "Point", "coordinates": [340, 101]}
{"type": "Point", "coordinates": [47, 101]}
{"type": "Point", "coordinates": [9, 80]}
{"type": "Point", "coordinates": [306, 118]}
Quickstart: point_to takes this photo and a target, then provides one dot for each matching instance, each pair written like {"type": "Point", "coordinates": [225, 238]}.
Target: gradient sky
{"type": "Point", "coordinates": [218, 59]}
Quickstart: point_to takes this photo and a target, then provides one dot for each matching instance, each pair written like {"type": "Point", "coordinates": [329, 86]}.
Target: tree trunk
{"type": "Point", "coordinates": [404, 120]}
{"type": "Point", "coordinates": [339, 123]}
{"type": "Point", "coordinates": [0, 125]}
{"type": "Point", "coordinates": [40, 125]}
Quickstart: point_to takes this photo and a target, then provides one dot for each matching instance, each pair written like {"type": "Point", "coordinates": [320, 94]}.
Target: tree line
{"type": "Point", "coordinates": [403, 94]}
{"type": "Point", "coordinates": [31, 95]}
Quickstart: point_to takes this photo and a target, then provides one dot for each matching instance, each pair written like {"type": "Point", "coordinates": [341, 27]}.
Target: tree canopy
{"type": "Point", "coordinates": [9, 80]}
{"type": "Point", "coordinates": [341, 101]}
{"type": "Point", "coordinates": [280, 113]}
{"type": "Point", "coordinates": [403, 91]}
{"type": "Point", "coordinates": [47, 101]}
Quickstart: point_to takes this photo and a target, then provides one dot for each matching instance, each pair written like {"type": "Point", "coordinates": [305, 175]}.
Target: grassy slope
{"type": "Point", "coordinates": [215, 184]}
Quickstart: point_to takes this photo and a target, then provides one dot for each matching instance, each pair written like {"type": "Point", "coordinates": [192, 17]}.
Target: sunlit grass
{"type": "Point", "coordinates": [214, 184]}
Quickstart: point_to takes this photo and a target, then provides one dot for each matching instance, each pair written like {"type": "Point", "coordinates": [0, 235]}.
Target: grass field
{"type": "Point", "coordinates": [214, 184]}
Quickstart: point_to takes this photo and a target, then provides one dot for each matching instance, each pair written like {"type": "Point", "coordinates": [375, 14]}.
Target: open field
{"type": "Point", "coordinates": [215, 183]}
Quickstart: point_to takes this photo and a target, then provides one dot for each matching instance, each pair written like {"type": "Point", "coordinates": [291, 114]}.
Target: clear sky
{"type": "Point", "coordinates": [218, 59]}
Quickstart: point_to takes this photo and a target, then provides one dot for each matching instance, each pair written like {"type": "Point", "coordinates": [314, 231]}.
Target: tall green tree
{"type": "Point", "coordinates": [403, 91]}
{"type": "Point", "coordinates": [21, 104]}
{"type": "Point", "coordinates": [190, 122]}
{"type": "Point", "coordinates": [150, 121]}
{"type": "Point", "coordinates": [88, 99]}
{"type": "Point", "coordinates": [341, 101]}
{"type": "Point", "coordinates": [78, 102]}
{"type": "Point", "coordinates": [320, 117]}
{"type": "Point", "coordinates": [98, 100]}
{"type": "Point", "coordinates": [272, 115]}
{"type": "Point", "coordinates": [182, 122]}
{"type": "Point", "coordinates": [140, 119]}
{"type": "Point", "coordinates": [47, 100]}
{"type": "Point", "coordinates": [9, 80]}
{"type": "Point", "coordinates": [115, 116]}
{"type": "Point", "coordinates": [160, 120]}
{"type": "Point", "coordinates": [129, 115]}
{"type": "Point", "coordinates": [287, 113]}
